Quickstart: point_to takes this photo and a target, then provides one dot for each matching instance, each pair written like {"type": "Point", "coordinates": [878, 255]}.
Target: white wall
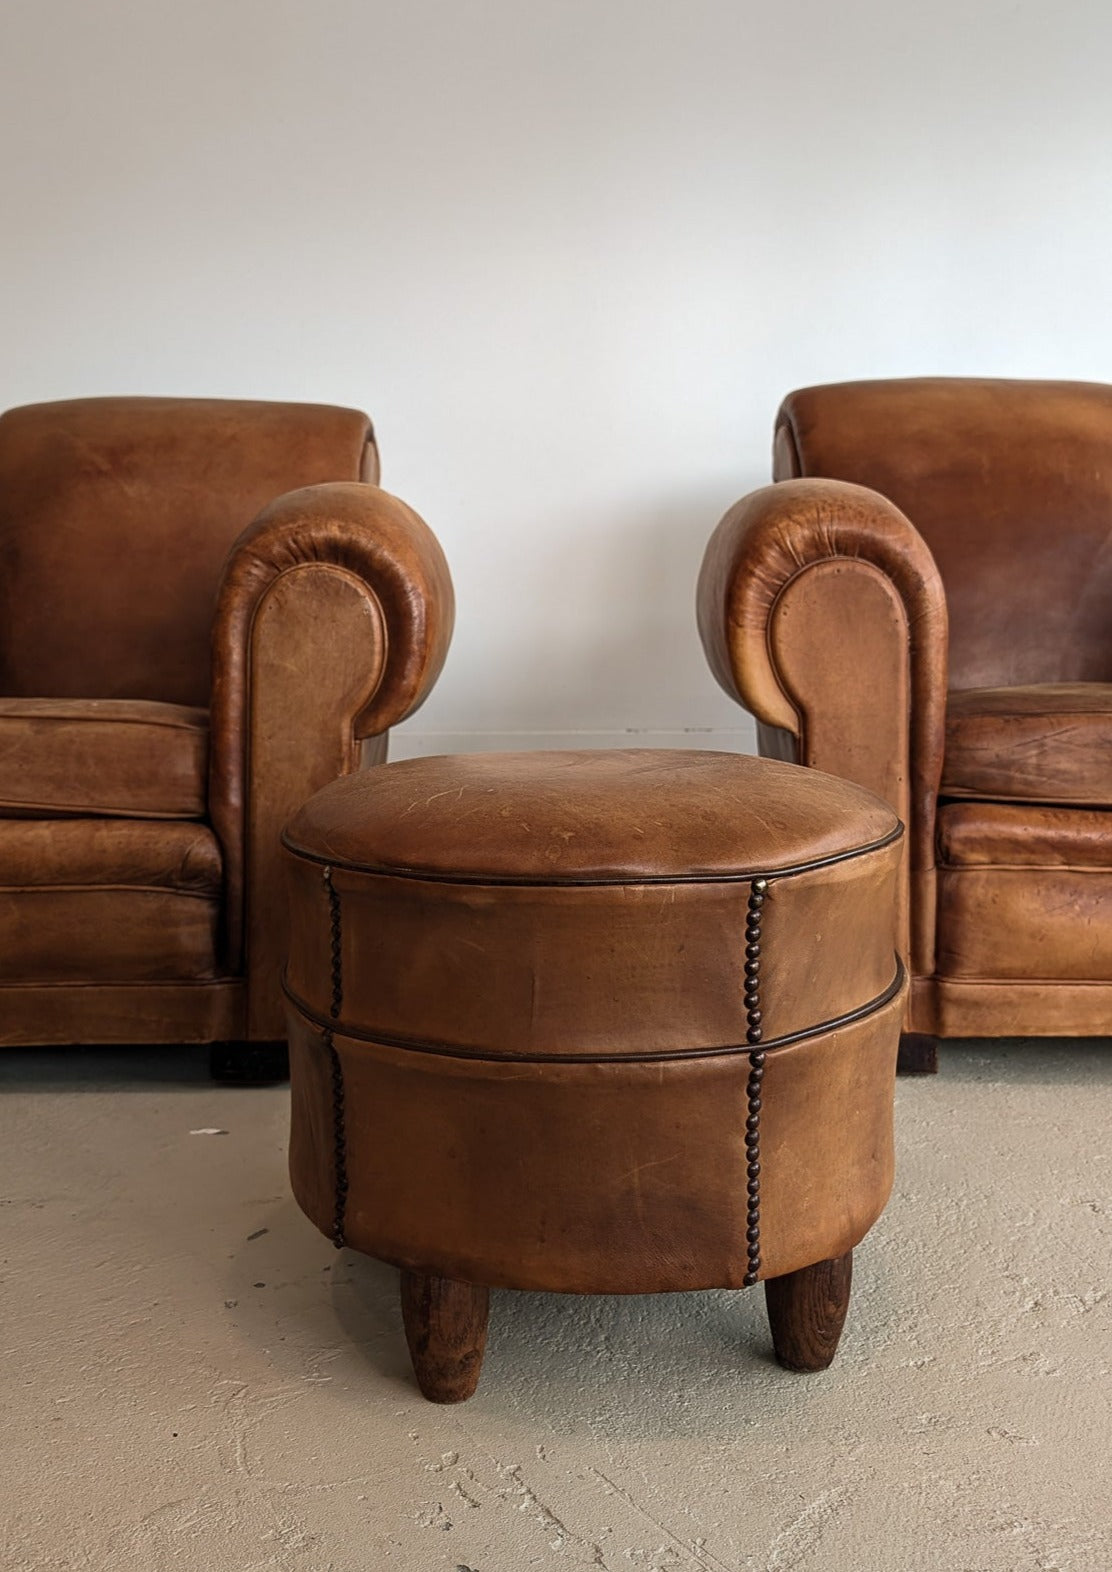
{"type": "Point", "coordinates": [569, 254]}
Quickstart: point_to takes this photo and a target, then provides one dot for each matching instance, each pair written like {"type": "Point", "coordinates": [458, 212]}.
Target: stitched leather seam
{"type": "Point", "coordinates": [1022, 867]}
{"type": "Point", "coordinates": [111, 888]}
{"type": "Point", "coordinates": [961, 717]}
{"type": "Point", "coordinates": [965, 794]}
{"type": "Point", "coordinates": [243, 752]}
{"type": "Point", "coordinates": [84, 721]}
{"type": "Point", "coordinates": [220, 980]}
{"type": "Point", "coordinates": [804, 568]}
{"type": "Point", "coordinates": [1059, 984]}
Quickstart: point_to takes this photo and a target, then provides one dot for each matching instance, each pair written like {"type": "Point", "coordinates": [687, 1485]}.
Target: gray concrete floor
{"type": "Point", "coordinates": [194, 1378]}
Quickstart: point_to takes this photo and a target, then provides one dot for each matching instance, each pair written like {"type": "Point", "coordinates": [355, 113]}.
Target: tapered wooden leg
{"type": "Point", "coordinates": [918, 1054]}
{"type": "Point", "coordinates": [446, 1328]}
{"type": "Point", "coordinates": [807, 1310]}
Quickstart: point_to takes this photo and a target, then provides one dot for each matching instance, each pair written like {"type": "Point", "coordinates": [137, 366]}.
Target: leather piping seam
{"type": "Point", "coordinates": [770, 657]}
{"type": "Point", "coordinates": [444, 1051]}
{"type": "Point", "coordinates": [799, 572]}
{"type": "Point", "coordinates": [802, 737]}
{"type": "Point", "coordinates": [1032, 983]}
{"type": "Point", "coordinates": [782, 589]}
{"type": "Point", "coordinates": [1023, 867]}
{"type": "Point", "coordinates": [1011, 716]}
{"type": "Point", "coordinates": [967, 794]}
{"type": "Point", "coordinates": [291, 570]}
{"type": "Point", "coordinates": [223, 982]}
{"type": "Point", "coordinates": [523, 881]}
{"type": "Point", "coordinates": [246, 750]}
{"type": "Point", "coordinates": [110, 888]}
{"type": "Point", "coordinates": [83, 719]}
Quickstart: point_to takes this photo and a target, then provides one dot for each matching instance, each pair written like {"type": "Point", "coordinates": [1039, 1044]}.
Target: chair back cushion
{"type": "Point", "coordinates": [1009, 483]}
{"type": "Point", "coordinates": [116, 515]}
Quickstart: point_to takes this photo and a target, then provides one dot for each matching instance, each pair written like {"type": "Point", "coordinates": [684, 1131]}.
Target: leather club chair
{"type": "Point", "coordinates": [923, 605]}
{"type": "Point", "coordinates": [208, 610]}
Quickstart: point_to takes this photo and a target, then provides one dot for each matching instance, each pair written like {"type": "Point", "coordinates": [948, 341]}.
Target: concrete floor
{"type": "Point", "coordinates": [195, 1379]}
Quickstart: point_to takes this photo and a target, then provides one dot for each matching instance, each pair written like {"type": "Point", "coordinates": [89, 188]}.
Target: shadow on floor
{"type": "Point", "coordinates": [128, 1067]}
{"type": "Point", "coordinates": [1027, 1061]}
{"type": "Point", "coordinates": [1019, 1060]}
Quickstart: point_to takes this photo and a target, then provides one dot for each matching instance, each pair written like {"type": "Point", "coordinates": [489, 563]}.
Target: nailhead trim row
{"type": "Point", "coordinates": [758, 889]}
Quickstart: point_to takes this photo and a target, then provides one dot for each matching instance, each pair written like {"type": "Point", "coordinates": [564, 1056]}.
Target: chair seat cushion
{"type": "Point", "coordinates": [1024, 892]}
{"type": "Point", "coordinates": [1048, 743]}
{"type": "Point", "coordinates": [92, 758]}
{"type": "Point", "coordinates": [1005, 835]}
{"type": "Point", "coordinates": [107, 900]}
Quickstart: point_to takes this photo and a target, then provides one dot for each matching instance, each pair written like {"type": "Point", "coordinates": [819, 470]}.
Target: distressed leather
{"type": "Point", "coordinates": [166, 560]}
{"type": "Point", "coordinates": [1047, 872]}
{"type": "Point", "coordinates": [136, 853]}
{"type": "Point", "coordinates": [615, 817]}
{"type": "Point", "coordinates": [541, 1017]}
{"type": "Point", "coordinates": [1009, 485]}
{"type": "Point", "coordinates": [989, 726]}
{"type": "Point", "coordinates": [583, 1177]}
{"type": "Point", "coordinates": [1055, 924]}
{"type": "Point", "coordinates": [1047, 743]}
{"type": "Point", "coordinates": [812, 596]}
{"type": "Point", "coordinates": [116, 515]}
{"type": "Point", "coordinates": [1019, 835]}
{"type": "Point", "coordinates": [107, 900]}
{"type": "Point", "coordinates": [333, 622]}
{"type": "Point", "coordinates": [131, 758]}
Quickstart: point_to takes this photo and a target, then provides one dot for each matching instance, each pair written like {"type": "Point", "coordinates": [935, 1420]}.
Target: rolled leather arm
{"type": "Point", "coordinates": [332, 623]}
{"type": "Point", "coordinates": [821, 610]}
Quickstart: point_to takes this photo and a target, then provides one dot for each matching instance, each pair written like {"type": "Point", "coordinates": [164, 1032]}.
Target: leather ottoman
{"type": "Point", "coordinates": [610, 1022]}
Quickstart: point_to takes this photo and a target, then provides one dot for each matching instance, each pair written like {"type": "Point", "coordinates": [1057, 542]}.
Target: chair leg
{"type": "Point", "coordinates": [445, 1327]}
{"type": "Point", "coordinates": [807, 1310]}
{"type": "Point", "coordinates": [918, 1054]}
{"type": "Point", "coordinates": [249, 1064]}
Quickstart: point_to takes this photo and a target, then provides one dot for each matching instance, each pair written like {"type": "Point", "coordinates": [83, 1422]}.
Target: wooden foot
{"type": "Point", "coordinates": [807, 1310]}
{"type": "Point", "coordinates": [445, 1327]}
{"type": "Point", "coordinates": [918, 1055]}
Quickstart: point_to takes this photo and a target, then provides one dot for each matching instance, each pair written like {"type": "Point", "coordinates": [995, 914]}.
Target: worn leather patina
{"type": "Point", "coordinates": [923, 604]}
{"type": "Point", "coordinates": [527, 976]}
{"type": "Point", "coordinates": [208, 609]}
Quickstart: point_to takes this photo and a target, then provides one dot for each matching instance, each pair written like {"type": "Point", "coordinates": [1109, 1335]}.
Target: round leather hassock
{"type": "Point", "coordinates": [546, 1009]}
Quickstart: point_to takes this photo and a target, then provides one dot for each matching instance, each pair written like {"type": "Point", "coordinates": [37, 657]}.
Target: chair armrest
{"type": "Point", "coordinates": [821, 610]}
{"type": "Point", "coordinates": [332, 623]}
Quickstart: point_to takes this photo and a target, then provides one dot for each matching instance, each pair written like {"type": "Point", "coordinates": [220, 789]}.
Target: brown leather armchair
{"type": "Point", "coordinates": [923, 605]}
{"type": "Point", "coordinates": [208, 610]}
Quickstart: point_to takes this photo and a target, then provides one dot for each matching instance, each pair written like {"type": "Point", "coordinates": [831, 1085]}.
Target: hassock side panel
{"type": "Point", "coordinates": [568, 970]}
{"type": "Point", "coordinates": [618, 1177]}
